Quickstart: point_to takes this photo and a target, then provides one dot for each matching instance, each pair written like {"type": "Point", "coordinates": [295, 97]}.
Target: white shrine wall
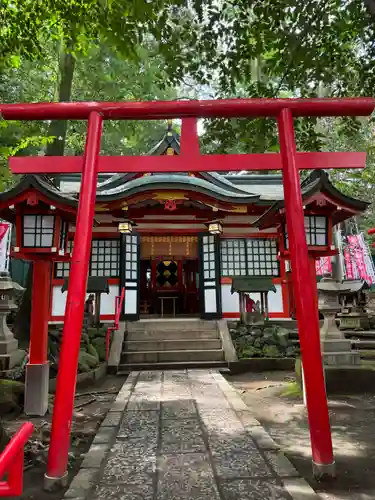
{"type": "Point", "coordinates": [107, 304]}
{"type": "Point", "coordinates": [231, 306]}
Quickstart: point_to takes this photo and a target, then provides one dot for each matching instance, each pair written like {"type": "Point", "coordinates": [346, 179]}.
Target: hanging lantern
{"type": "Point", "coordinates": [215, 227]}
{"type": "Point", "coordinates": [126, 227]}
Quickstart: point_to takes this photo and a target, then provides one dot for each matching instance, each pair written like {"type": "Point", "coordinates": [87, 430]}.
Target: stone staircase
{"type": "Point", "coordinates": [171, 344]}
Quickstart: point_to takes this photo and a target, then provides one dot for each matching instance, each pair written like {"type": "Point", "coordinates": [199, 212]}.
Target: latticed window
{"type": "Point", "coordinates": [38, 230]}
{"type": "Point", "coordinates": [233, 258]}
{"type": "Point", "coordinates": [249, 257]}
{"type": "Point", "coordinates": [131, 257]}
{"type": "Point", "coordinates": [262, 257]}
{"type": "Point", "coordinates": [209, 260]}
{"type": "Point", "coordinates": [316, 231]}
{"type": "Point", "coordinates": [105, 260]}
{"type": "Point", "coordinates": [62, 268]}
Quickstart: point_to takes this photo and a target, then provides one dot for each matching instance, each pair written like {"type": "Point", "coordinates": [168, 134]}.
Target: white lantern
{"type": "Point", "coordinates": [125, 227]}
{"type": "Point", "coordinates": [215, 227]}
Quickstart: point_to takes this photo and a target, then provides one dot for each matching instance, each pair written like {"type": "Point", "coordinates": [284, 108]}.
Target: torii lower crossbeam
{"type": "Point", "coordinates": [289, 162]}
{"type": "Point", "coordinates": [184, 163]}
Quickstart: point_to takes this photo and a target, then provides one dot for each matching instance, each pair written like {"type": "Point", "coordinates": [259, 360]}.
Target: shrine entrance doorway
{"type": "Point", "coordinates": [169, 276]}
{"type": "Point", "coordinates": [169, 287]}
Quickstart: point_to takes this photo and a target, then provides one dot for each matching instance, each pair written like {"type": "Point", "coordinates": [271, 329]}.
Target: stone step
{"type": "Point", "coordinates": [172, 345]}
{"type": "Point", "coordinates": [150, 335]}
{"type": "Point", "coordinates": [142, 326]}
{"type": "Point", "coordinates": [340, 359]}
{"type": "Point", "coordinates": [125, 368]}
{"type": "Point", "coordinates": [172, 356]}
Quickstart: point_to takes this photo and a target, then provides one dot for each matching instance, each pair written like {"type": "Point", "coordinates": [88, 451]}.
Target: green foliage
{"type": "Point", "coordinates": [292, 390]}
{"type": "Point", "coordinates": [26, 25]}
{"type": "Point", "coordinates": [103, 74]}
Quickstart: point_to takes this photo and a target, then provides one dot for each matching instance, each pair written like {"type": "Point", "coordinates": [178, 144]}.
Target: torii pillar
{"type": "Point", "coordinates": [191, 160]}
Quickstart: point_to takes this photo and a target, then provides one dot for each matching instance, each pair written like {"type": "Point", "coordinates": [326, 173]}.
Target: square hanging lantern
{"type": "Point", "coordinates": [126, 227]}
{"type": "Point", "coordinates": [316, 229]}
{"type": "Point", "coordinates": [215, 227]}
{"type": "Point", "coordinates": [44, 232]}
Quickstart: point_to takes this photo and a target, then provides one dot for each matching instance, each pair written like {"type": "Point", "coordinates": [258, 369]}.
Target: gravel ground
{"type": "Point", "coordinates": [284, 417]}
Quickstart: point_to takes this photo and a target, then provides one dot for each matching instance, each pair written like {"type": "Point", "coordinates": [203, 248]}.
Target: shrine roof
{"type": "Point", "coordinates": [171, 139]}
{"type": "Point", "coordinates": [251, 284]}
{"type": "Point", "coordinates": [269, 187]}
{"type": "Point", "coordinates": [219, 190]}
{"type": "Point", "coordinates": [242, 188]}
{"type": "Point", "coordinates": [42, 184]}
{"type": "Point", "coordinates": [318, 181]}
{"type": "Point", "coordinates": [344, 287]}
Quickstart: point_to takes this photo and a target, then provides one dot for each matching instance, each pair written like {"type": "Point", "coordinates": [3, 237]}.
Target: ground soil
{"type": "Point", "coordinates": [353, 426]}
{"type": "Point", "coordinates": [91, 406]}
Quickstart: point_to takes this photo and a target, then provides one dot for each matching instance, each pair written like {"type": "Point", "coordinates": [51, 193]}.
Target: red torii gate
{"type": "Point", "coordinates": [190, 159]}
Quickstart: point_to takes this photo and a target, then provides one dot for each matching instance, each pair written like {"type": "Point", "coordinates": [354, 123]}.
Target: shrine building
{"type": "Point", "coordinates": [175, 241]}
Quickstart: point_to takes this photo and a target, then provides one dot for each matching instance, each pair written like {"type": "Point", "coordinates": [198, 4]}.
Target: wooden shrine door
{"type": "Point", "coordinates": [209, 276]}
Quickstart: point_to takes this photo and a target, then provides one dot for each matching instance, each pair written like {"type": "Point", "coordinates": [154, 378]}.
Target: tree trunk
{"type": "Point", "coordinates": [370, 4]}
{"type": "Point", "coordinates": [58, 128]}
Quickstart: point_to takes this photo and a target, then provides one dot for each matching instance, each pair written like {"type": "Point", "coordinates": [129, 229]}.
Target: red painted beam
{"type": "Point", "coordinates": [201, 163]}
{"type": "Point", "coordinates": [226, 108]}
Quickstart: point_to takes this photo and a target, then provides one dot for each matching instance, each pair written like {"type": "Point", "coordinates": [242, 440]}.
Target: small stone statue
{"type": "Point", "coordinates": [89, 310]}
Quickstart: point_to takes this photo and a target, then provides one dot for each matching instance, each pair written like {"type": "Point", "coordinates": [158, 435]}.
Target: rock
{"type": "Point", "coordinates": [269, 339]}
{"type": "Point", "coordinates": [241, 330]}
{"type": "Point", "coordinates": [11, 396]}
{"type": "Point", "coordinates": [91, 350]}
{"type": "Point", "coordinates": [281, 337]}
{"type": "Point", "coordinates": [258, 342]}
{"type": "Point", "coordinates": [99, 345]}
{"type": "Point", "coordinates": [92, 332]}
{"type": "Point", "coordinates": [86, 362]}
{"type": "Point", "coordinates": [250, 352]}
{"type": "Point", "coordinates": [290, 352]}
{"type": "Point", "coordinates": [256, 332]}
{"type": "Point", "coordinates": [271, 351]}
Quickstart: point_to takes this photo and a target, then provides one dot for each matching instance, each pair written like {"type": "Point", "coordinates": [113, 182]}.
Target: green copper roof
{"type": "Point", "coordinates": [174, 181]}
{"type": "Point", "coordinates": [252, 284]}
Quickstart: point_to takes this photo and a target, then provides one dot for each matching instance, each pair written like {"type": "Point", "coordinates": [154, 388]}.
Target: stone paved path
{"type": "Point", "coordinates": [179, 435]}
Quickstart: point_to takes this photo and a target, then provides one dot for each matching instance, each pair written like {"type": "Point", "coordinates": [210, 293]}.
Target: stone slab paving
{"type": "Point", "coordinates": [179, 435]}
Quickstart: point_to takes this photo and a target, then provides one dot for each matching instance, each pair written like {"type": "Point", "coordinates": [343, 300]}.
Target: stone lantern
{"type": "Point", "coordinates": [336, 349]}
{"type": "Point", "coordinates": [10, 355]}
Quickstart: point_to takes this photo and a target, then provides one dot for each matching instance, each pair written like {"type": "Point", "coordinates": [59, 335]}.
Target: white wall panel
{"type": "Point", "coordinates": [210, 300]}
{"type": "Point", "coordinates": [107, 303]}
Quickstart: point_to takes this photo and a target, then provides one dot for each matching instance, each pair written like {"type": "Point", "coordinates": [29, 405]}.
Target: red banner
{"type": "Point", "coordinates": [356, 252]}
{"type": "Point", "coordinates": [348, 264]}
{"type": "Point", "coordinates": [3, 230]}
